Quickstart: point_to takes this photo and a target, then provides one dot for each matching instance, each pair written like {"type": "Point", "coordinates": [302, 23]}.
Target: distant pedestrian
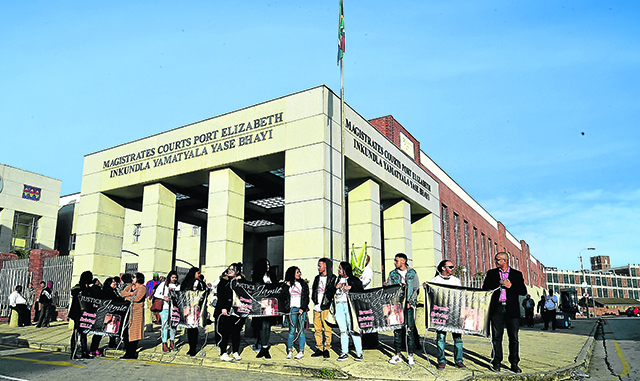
{"type": "Point", "coordinates": [29, 295]}
{"type": "Point", "coordinates": [18, 303]}
{"type": "Point", "coordinates": [529, 305]}
{"type": "Point", "coordinates": [550, 310]}
{"type": "Point", "coordinates": [505, 310]}
{"type": "Point", "coordinates": [46, 302]}
{"type": "Point", "coordinates": [540, 307]}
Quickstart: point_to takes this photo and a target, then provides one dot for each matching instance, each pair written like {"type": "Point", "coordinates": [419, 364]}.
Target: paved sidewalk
{"type": "Point", "coordinates": [545, 355]}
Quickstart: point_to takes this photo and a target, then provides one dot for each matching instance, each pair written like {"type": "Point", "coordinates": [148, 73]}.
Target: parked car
{"type": "Point", "coordinates": [633, 311]}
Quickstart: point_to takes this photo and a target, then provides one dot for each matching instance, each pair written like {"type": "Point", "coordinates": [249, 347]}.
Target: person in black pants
{"type": "Point", "coordinates": [504, 310]}
{"type": "Point", "coordinates": [263, 274]}
{"type": "Point", "coordinates": [46, 303]}
{"type": "Point", "coordinates": [75, 312]}
{"type": "Point", "coordinates": [228, 324]}
{"type": "Point", "coordinates": [192, 282]}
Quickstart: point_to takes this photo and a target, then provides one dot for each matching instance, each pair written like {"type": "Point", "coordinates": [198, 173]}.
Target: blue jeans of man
{"type": "Point", "coordinates": [499, 321]}
{"type": "Point", "coordinates": [296, 324]}
{"type": "Point", "coordinates": [344, 322]}
{"type": "Point", "coordinates": [457, 346]}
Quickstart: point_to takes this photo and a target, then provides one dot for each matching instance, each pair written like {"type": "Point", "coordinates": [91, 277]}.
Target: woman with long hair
{"type": "Point", "coordinates": [162, 292]}
{"type": "Point", "coordinates": [192, 282]}
{"type": "Point", "coordinates": [228, 324]}
{"type": "Point", "coordinates": [296, 305]}
{"type": "Point", "coordinates": [75, 312]}
{"type": "Point", "coordinates": [262, 274]}
{"type": "Point", "coordinates": [136, 293]}
{"type": "Point", "coordinates": [108, 292]}
{"type": "Point", "coordinates": [346, 282]}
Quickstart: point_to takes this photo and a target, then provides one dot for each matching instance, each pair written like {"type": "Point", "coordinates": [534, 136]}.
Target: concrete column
{"type": "Point", "coordinates": [308, 208]}
{"type": "Point", "coordinates": [6, 224]}
{"type": "Point", "coordinates": [156, 235]}
{"type": "Point", "coordinates": [397, 234]}
{"type": "Point", "coordinates": [98, 236]}
{"type": "Point", "coordinates": [427, 246]}
{"type": "Point", "coordinates": [364, 225]}
{"type": "Point", "coordinates": [225, 221]}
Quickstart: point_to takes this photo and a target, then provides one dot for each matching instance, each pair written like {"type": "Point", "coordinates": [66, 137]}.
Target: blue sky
{"type": "Point", "coordinates": [531, 106]}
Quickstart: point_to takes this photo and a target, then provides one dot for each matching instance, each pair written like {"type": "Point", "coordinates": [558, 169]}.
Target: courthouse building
{"type": "Point", "coordinates": [266, 181]}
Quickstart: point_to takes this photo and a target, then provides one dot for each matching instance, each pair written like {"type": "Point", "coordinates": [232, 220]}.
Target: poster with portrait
{"type": "Point", "coordinates": [256, 300]}
{"type": "Point", "coordinates": [188, 308]}
{"type": "Point", "coordinates": [457, 309]}
{"type": "Point", "coordinates": [103, 317]}
{"type": "Point", "coordinates": [377, 309]}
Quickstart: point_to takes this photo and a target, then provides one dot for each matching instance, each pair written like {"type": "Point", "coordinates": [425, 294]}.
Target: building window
{"type": "Point", "coordinates": [619, 282]}
{"type": "Point", "coordinates": [475, 247]}
{"type": "Point", "coordinates": [445, 232]}
{"type": "Point", "coordinates": [615, 293]}
{"type": "Point", "coordinates": [456, 232]}
{"type": "Point", "coordinates": [598, 281]}
{"type": "Point", "coordinates": [484, 252]}
{"type": "Point", "coordinates": [25, 231]}
{"type": "Point", "coordinates": [195, 230]}
{"type": "Point", "coordinates": [549, 278]}
{"type": "Point", "coordinates": [466, 244]}
{"type": "Point", "coordinates": [136, 232]}
{"type": "Point", "coordinates": [72, 242]}
{"type": "Point", "coordinates": [555, 278]}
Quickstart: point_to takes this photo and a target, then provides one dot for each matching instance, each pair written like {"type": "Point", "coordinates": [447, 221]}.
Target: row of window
{"type": "Point", "coordinates": [592, 280]}
{"type": "Point", "coordinates": [604, 292]}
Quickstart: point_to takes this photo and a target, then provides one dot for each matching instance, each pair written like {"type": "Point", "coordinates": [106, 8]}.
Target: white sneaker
{"type": "Point", "coordinates": [225, 357]}
{"type": "Point", "coordinates": [395, 359]}
{"type": "Point", "coordinates": [410, 360]}
{"type": "Point", "coordinates": [289, 355]}
{"type": "Point", "coordinates": [299, 355]}
{"type": "Point", "coordinates": [236, 356]}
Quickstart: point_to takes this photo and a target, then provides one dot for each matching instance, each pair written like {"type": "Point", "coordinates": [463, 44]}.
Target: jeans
{"type": "Point", "coordinates": [499, 321]}
{"type": "Point", "coordinates": [457, 346]}
{"type": "Point", "coordinates": [398, 334]}
{"type": "Point", "coordinates": [166, 326]}
{"type": "Point", "coordinates": [344, 322]}
{"type": "Point", "coordinates": [296, 324]}
{"type": "Point", "coordinates": [323, 331]}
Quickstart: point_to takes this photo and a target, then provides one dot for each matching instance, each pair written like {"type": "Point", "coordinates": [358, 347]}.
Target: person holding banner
{"type": "Point", "coordinates": [228, 324]}
{"type": "Point", "coordinates": [323, 291]}
{"type": "Point", "coordinates": [296, 305]}
{"type": "Point", "coordinates": [505, 310]}
{"type": "Point", "coordinates": [75, 313]}
{"type": "Point", "coordinates": [444, 275]}
{"type": "Point", "coordinates": [135, 293]}
{"type": "Point", "coordinates": [262, 274]}
{"type": "Point", "coordinates": [162, 292]}
{"type": "Point", "coordinates": [192, 282]}
{"type": "Point", "coordinates": [403, 274]}
{"type": "Point", "coordinates": [347, 282]}
{"type": "Point", "coordinates": [108, 292]}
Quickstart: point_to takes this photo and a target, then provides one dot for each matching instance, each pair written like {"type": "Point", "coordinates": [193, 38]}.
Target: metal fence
{"type": "Point", "coordinates": [59, 270]}
{"type": "Point", "coordinates": [15, 272]}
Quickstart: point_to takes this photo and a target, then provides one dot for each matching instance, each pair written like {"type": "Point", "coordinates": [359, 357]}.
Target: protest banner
{"type": "Point", "coordinates": [189, 308]}
{"type": "Point", "coordinates": [377, 309]}
{"type": "Point", "coordinates": [457, 309]}
{"type": "Point", "coordinates": [255, 300]}
{"type": "Point", "coordinates": [103, 317]}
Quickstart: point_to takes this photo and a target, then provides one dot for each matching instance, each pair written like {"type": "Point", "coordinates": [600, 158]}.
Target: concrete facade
{"type": "Point", "coordinates": [263, 181]}
{"type": "Point", "coordinates": [27, 194]}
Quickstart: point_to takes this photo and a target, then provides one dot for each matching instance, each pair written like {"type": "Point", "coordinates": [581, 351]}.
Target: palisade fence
{"type": "Point", "coordinates": [15, 272]}
{"type": "Point", "coordinates": [59, 270]}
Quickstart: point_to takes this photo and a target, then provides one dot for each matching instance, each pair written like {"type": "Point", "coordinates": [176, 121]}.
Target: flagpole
{"type": "Point", "coordinates": [342, 166]}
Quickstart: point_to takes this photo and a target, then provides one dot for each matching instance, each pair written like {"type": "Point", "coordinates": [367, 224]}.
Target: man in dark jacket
{"type": "Point", "coordinates": [75, 313]}
{"type": "Point", "coordinates": [504, 310]}
{"type": "Point", "coordinates": [46, 304]}
{"type": "Point", "coordinates": [322, 292]}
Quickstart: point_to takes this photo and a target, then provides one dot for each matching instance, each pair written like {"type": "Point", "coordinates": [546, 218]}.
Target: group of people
{"type": "Point", "coordinates": [23, 301]}
{"type": "Point", "coordinates": [329, 295]}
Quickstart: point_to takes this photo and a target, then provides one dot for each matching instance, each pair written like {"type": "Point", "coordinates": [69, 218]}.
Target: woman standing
{"type": "Point", "coordinates": [262, 274]}
{"type": "Point", "coordinates": [192, 282]}
{"type": "Point", "coordinates": [135, 292]}
{"type": "Point", "coordinates": [297, 307]}
{"type": "Point", "coordinates": [75, 312]}
{"type": "Point", "coordinates": [227, 323]}
{"type": "Point", "coordinates": [162, 292]}
{"type": "Point", "coordinates": [346, 282]}
{"type": "Point", "coordinates": [108, 292]}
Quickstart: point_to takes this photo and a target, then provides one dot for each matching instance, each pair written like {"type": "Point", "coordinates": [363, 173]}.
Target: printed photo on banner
{"type": "Point", "coordinates": [252, 300]}
{"type": "Point", "coordinates": [188, 308]}
{"type": "Point", "coordinates": [457, 309]}
{"type": "Point", "coordinates": [111, 323]}
{"type": "Point", "coordinates": [377, 309]}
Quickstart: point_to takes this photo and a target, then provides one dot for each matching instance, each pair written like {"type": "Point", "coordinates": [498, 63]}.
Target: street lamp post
{"type": "Point", "coordinates": [584, 283]}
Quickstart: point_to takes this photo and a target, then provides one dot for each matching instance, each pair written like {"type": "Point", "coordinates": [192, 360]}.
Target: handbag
{"type": "Point", "coordinates": [331, 317]}
{"type": "Point", "coordinates": [156, 305]}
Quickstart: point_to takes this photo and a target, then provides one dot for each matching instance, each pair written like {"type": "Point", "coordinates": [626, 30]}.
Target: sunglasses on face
{"type": "Point", "coordinates": [449, 267]}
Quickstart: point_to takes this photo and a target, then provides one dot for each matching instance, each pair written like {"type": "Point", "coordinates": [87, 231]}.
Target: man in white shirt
{"type": "Point", "coordinates": [322, 292]}
{"type": "Point", "coordinates": [550, 306]}
{"type": "Point", "coordinates": [18, 303]}
{"type": "Point", "coordinates": [367, 275]}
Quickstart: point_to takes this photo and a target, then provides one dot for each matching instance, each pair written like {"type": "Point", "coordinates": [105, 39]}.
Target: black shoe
{"type": "Point", "coordinates": [317, 353]}
{"type": "Point", "coordinates": [261, 353]}
{"type": "Point", "coordinates": [494, 367]}
{"type": "Point", "coordinates": [326, 354]}
{"type": "Point", "coordinates": [343, 357]}
{"type": "Point", "coordinates": [358, 357]}
{"type": "Point", "coordinates": [87, 356]}
{"type": "Point", "coordinates": [515, 369]}
{"type": "Point", "coordinates": [267, 355]}
{"type": "Point", "coordinates": [544, 329]}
